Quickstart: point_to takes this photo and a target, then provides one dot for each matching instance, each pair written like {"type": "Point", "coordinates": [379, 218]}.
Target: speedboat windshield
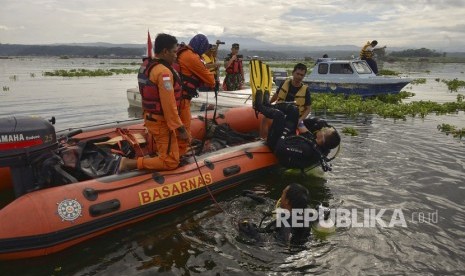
{"type": "Point", "coordinates": [362, 67]}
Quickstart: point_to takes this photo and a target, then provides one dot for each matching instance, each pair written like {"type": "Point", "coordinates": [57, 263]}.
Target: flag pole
{"type": "Point", "coordinates": [149, 45]}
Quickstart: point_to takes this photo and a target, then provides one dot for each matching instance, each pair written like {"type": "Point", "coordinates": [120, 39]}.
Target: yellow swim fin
{"type": "Point", "coordinates": [256, 79]}
{"type": "Point", "coordinates": [267, 83]}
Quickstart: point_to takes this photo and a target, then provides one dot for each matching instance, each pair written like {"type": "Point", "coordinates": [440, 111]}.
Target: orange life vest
{"type": "Point", "coordinates": [149, 90]}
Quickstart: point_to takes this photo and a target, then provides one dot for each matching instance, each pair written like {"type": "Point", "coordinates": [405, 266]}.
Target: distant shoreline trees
{"type": "Point", "coordinates": [422, 52]}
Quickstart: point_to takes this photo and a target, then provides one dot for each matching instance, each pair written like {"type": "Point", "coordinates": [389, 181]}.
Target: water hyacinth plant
{"type": "Point", "coordinates": [386, 106]}
{"type": "Point", "coordinates": [454, 85]}
{"type": "Point", "coordinates": [451, 129]}
{"type": "Point", "coordinates": [418, 81]}
{"type": "Point", "coordinates": [386, 72]}
{"type": "Point", "coordinates": [350, 131]}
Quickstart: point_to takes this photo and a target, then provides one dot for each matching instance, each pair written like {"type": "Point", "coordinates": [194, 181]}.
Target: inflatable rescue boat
{"type": "Point", "coordinates": [61, 188]}
{"type": "Point", "coordinates": [57, 204]}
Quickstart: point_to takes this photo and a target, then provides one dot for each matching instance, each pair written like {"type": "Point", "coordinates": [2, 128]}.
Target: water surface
{"type": "Point", "coordinates": [392, 164]}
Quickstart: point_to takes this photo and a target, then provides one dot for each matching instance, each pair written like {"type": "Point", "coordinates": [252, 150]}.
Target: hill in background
{"type": "Point", "coordinates": [249, 47]}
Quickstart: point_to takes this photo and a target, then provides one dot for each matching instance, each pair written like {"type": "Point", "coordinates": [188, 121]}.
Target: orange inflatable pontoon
{"type": "Point", "coordinates": [43, 219]}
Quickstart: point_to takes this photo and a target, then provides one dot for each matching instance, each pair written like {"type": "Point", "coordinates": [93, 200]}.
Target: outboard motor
{"type": "Point", "coordinates": [25, 142]}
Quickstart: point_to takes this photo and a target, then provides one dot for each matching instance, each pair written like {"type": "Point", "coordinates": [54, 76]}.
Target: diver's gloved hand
{"type": "Point", "coordinates": [325, 166]}
{"type": "Point", "coordinates": [323, 211]}
{"type": "Point", "coordinates": [249, 229]}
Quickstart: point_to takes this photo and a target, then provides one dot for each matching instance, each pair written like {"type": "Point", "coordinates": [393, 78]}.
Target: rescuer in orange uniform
{"type": "Point", "coordinates": [194, 74]}
{"type": "Point", "coordinates": [160, 101]}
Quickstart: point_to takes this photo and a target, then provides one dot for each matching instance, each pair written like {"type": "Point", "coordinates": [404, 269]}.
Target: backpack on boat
{"type": "Point", "coordinates": [231, 137]}
{"type": "Point", "coordinates": [86, 160]}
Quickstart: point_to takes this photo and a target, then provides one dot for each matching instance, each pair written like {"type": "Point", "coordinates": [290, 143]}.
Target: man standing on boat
{"type": "Point", "coordinates": [234, 70]}
{"type": "Point", "coordinates": [294, 90]}
{"type": "Point", "coordinates": [194, 74]}
{"type": "Point", "coordinates": [367, 54]}
{"type": "Point", "coordinates": [209, 57]}
{"type": "Point", "coordinates": [160, 88]}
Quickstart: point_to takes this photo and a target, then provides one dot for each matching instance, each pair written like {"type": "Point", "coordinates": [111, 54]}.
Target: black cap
{"type": "Point", "coordinates": [235, 45]}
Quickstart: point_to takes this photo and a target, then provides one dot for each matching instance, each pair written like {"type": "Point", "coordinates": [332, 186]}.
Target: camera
{"type": "Point", "coordinates": [240, 56]}
{"type": "Point", "coordinates": [220, 42]}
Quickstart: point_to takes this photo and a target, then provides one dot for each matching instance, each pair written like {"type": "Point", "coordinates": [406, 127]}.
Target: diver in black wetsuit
{"type": "Point", "coordinates": [294, 196]}
{"type": "Point", "coordinates": [316, 137]}
{"type": "Point", "coordinates": [293, 220]}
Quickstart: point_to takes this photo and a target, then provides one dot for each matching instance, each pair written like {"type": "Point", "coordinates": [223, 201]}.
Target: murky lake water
{"type": "Point", "coordinates": [392, 164]}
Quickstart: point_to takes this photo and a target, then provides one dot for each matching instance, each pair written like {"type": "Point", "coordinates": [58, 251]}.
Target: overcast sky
{"type": "Point", "coordinates": [436, 24]}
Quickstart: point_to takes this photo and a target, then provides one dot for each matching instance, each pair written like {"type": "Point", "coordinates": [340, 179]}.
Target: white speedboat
{"type": "Point", "coordinates": [349, 77]}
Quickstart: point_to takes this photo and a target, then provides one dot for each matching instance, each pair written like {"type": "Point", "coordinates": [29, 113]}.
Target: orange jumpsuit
{"type": "Point", "coordinates": [163, 127]}
{"type": "Point", "coordinates": [191, 65]}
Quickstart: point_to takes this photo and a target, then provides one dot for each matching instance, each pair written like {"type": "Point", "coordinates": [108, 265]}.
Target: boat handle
{"type": "Point", "coordinates": [231, 170]}
{"type": "Point", "coordinates": [104, 207]}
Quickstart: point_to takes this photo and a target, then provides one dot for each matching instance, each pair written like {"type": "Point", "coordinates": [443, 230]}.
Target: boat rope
{"type": "Point", "coordinates": [217, 88]}
{"type": "Point", "coordinates": [206, 130]}
{"type": "Point", "coordinates": [207, 127]}
{"type": "Point", "coordinates": [203, 179]}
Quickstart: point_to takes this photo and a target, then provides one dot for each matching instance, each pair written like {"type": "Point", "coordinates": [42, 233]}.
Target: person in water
{"type": "Point", "coordinates": [293, 197]}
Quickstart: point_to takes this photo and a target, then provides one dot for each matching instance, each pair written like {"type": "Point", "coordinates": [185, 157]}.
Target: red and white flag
{"type": "Point", "coordinates": [149, 46]}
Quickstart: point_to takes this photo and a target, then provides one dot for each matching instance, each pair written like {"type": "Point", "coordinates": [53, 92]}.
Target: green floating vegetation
{"type": "Point", "coordinates": [418, 81]}
{"type": "Point", "coordinates": [124, 71]}
{"type": "Point", "coordinates": [125, 63]}
{"type": "Point", "coordinates": [454, 85]}
{"type": "Point", "coordinates": [89, 73]}
{"type": "Point", "coordinates": [6, 88]}
{"type": "Point", "coordinates": [350, 131]}
{"type": "Point", "coordinates": [451, 129]}
{"type": "Point", "coordinates": [386, 106]}
{"type": "Point", "coordinates": [386, 72]}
